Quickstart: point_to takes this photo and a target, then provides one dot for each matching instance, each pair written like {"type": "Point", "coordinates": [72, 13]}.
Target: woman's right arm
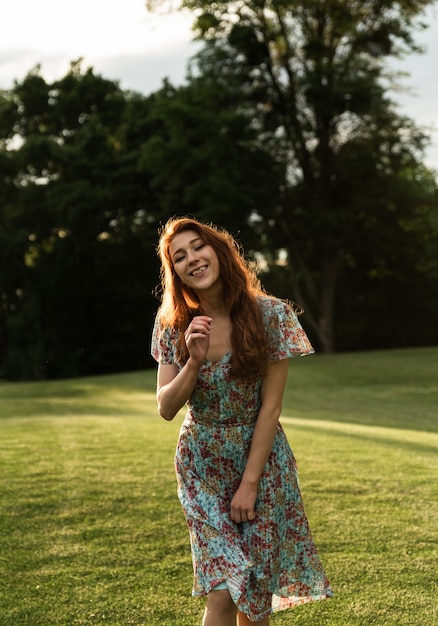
{"type": "Point", "coordinates": [175, 388]}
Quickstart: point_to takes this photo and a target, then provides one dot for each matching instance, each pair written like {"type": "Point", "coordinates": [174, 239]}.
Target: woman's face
{"type": "Point", "coordinates": [194, 262]}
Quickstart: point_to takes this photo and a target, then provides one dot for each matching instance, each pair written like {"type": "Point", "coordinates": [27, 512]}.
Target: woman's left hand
{"type": "Point", "coordinates": [243, 504]}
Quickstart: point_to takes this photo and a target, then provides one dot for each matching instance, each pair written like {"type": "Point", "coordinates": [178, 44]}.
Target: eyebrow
{"type": "Point", "coordinates": [190, 243]}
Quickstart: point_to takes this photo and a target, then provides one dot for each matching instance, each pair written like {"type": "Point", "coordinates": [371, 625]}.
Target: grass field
{"type": "Point", "coordinates": [91, 531]}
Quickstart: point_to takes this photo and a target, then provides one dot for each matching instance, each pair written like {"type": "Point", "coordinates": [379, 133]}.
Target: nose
{"type": "Point", "coordinates": [192, 256]}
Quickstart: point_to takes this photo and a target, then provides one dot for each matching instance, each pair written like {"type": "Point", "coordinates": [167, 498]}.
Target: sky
{"type": "Point", "coordinates": [122, 42]}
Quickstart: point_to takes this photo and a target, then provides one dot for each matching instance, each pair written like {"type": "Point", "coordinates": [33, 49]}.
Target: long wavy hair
{"type": "Point", "coordinates": [241, 287]}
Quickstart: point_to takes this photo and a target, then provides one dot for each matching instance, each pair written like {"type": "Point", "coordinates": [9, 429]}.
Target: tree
{"type": "Point", "coordinates": [78, 228]}
{"type": "Point", "coordinates": [312, 78]}
{"type": "Point", "coordinates": [201, 158]}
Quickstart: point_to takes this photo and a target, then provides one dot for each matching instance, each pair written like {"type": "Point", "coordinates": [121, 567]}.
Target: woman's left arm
{"type": "Point", "coordinates": [273, 384]}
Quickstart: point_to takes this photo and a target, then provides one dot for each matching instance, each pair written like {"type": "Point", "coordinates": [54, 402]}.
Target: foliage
{"type": "Point", "coordinates": [91, 530]}
{"type": "Point", "coordinates": [283, 133]}
{"type": "Point", "coordinates": [311, 78]}
{"type": "Point", "coordinates": [200, 158]}
{"type": "Point", "coordinates": [78, 227]}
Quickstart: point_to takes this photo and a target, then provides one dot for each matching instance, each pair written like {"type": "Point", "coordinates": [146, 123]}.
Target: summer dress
{"type": "Point", "coordinates": [271, 563]}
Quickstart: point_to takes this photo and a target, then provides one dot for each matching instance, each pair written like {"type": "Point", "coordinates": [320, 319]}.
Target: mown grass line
{"type": "Point", "coordinates": [91, 531]}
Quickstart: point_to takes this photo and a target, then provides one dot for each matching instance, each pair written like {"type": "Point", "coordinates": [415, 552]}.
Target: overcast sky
{"type": "Point", "coordinates": [124, 43]}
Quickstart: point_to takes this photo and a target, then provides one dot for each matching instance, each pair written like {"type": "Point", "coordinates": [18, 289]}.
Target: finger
{"type": "Point", "coordinates": [193, 328]}
{"type": "Point", "coordinates": [200, 330]}
{"type": "Point", "coordinates": [195, 337]}
{"type": "Point", "coordinates": [197, 328]}
{"type": "Point", "coordinates": [203, 319]}
{"type": "Point", "coordinates": [247, 515]}
{"type": "Point", "coordinates": [200, 324]}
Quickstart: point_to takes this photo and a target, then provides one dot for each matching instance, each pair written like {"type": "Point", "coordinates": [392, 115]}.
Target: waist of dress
{"type": "Point", "coordinates": [214, 419]}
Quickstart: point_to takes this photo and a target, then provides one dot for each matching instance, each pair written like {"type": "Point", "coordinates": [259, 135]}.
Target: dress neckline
{"type": "Point", "coordinates": [218, 361]}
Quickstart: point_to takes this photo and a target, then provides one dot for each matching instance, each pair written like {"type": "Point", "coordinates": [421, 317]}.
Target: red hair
{"type": "Point", "coordinates": [241, 287]}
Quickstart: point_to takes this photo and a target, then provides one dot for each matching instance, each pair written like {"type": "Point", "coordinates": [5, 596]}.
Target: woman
{"type": "Point", "coordinates": [223, 346]}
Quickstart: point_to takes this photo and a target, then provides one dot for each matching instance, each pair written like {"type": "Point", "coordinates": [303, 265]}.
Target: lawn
{"type": "Point", "coordinates": [91, 531]}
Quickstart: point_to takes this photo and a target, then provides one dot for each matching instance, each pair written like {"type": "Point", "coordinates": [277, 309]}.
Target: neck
{"type": "Point", "coordinates": [212, 303]}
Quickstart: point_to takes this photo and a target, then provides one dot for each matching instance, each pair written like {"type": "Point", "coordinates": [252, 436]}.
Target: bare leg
{"type": "Point", "coordinates": [242, 620]}
{"type": "Point", "coordinates": [220, 609]}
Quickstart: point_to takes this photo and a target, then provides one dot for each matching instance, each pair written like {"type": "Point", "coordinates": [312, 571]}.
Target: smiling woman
{"type": "Point", "coordinates": [196, 263]}
{"type": "Point", "coordinates": [223, 347]}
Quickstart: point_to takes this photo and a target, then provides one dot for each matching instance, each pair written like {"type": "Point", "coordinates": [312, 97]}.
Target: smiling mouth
{"type": "Point", "coordinates": [198, 270]}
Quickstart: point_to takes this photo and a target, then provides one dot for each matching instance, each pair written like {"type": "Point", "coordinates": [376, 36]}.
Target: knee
{"type": "Point", "coordinates": [220, 603]}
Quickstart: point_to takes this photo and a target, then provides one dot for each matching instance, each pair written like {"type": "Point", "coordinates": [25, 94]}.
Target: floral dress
{"type": "Point", "coordinates": [270, 563]}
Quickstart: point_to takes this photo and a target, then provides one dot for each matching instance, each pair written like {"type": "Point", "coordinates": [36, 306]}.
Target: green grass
{"type": "Point", "coordinates": [91, 531]}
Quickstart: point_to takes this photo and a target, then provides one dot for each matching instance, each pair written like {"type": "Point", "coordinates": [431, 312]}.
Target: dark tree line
{"type": "Point", "coordinates": [76, 257]}
{"type": "Point", "coordinates": [311, 75]}
{"type": "Point", "coordinates": [284, 133]}
{"type": "Point", "coordinates": [89, 173]}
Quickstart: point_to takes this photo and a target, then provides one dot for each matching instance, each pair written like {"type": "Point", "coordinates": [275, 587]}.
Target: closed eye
{"type": "Point", "coordinates": [180, 255]}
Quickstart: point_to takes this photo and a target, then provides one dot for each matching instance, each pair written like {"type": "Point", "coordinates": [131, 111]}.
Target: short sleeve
{"type": "Point", "coordinates": [163, 343]}
{"type": "Point", "coordinates": [285, 335]}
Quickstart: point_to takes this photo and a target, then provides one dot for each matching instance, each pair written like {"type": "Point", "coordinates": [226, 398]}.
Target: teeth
{"type": "Point", "coordinates": [198, 270]}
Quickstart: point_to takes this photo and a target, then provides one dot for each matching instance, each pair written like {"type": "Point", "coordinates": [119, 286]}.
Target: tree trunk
{"type": "Point", "coordinates": [318, 301]}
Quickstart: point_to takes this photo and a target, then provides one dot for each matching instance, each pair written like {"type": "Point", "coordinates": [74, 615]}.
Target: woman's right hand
{"type": "Point", "coordinates": [197, 337]}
